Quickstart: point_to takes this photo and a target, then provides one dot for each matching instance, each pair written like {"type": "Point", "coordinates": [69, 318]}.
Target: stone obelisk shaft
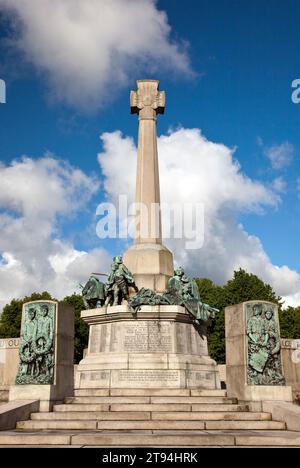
{"type": "Point", "coordinates": [148, 229]}
{"type": "Point", "coordinates": [150, 261]}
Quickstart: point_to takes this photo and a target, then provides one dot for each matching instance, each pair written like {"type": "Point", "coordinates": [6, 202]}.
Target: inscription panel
{"type": "Point", "coordinates": [148, 376]}
{"type": "Point", "coordinates": [147, 337]}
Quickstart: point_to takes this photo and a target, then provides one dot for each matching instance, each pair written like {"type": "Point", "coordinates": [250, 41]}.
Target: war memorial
{"type": "Point", "coordinates": [146, 378]}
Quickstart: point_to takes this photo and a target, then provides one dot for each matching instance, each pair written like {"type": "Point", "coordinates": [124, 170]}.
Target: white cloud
{"type": "Point", "coordinates": [280, 155]}
{"type": "Point", "coordinates": [34, 194]}
{"type": "Point", "coordinates": [193, 169]}
{"type": "Point", "coordinates": [90, 48]}
{"type": "Point", "coordinates": [279, 184]}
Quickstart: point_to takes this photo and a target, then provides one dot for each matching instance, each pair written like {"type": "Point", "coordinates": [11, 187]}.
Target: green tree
{"type": "Point", "coordinates": [290, 322]}
{"type": "Point", "coordinates": [10, 321]}
{"type": "Point", "coordinates": [81, 328]}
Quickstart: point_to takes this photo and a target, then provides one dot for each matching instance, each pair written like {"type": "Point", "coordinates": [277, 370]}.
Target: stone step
{"type": "Point", "coordinates": [101, 399]}
{"type": "Point", "coordinates": [147, 392]}
{"type": "Point", "coordinates": [147, 400]}
{"type": "Point", "coordinates": [212, 416]}
{"type": "Point", "coordinates": [144, 416]}
{"type": "Point", "coordinates": [155, 425]}
{"type": "Point", "coordinates": [65, 408]}
{"type": "Point", "coordinates": [148, 407]}
{"type": "Point", "coordinates": [188, 440]}
{"type": "Point", "coordinates": [122, 407]}
{"type": "Point", "coordinates": [253, 438]}
{"type": "Point", "coordinates": [110, 425]}
{"type": "Point", "coordinates": [204, 392]}
{"type": "Point", "coordinates": [20, 438]}
{"type": "Point", "coordinates": [98, 415]}
{"type": "Point", "coordinates": [194, 399]}
{"type": "Point", "coordinates": [245, 425]}
{"type": "Point", "coordinates": [45, 425]}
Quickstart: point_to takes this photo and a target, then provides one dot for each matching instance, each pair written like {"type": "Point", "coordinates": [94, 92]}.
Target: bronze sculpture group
{"type": "Point", "coordinates": [36, 348]}
{"type": "Point", "coordinates": [181, 290]}
{"type": "Point", "coordinates": [264, 363]}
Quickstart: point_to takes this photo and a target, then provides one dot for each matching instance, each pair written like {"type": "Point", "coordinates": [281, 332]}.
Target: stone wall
{"type": "Point", "coordinates": [290, 354]}
{"type": "Point", "coordinates": [9, 359]}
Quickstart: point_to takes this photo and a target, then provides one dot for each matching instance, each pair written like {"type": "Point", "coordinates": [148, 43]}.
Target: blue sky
{"type": "Point", "coordinates": [241, 58]}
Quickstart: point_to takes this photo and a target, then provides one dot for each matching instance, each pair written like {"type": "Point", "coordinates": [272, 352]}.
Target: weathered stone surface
{"type": "Point", "coordinates": [57, 425]}
{"type": "Point", "coordinates": [237, 360]}
{"type": "Point", "coordinates": [286, 412]}
{"type": "Point", "coordinates": [149, 392]}
{"type": "Point", "coordinates": [290, 355]}
{"type": "Point", "coordinates": [268, 438]}
{"type": "Point", "coordinates": [9, 360]}
{"type": "Point", "coordinates": [12, 412]}
{"type": "Point", "coordinates": [93, 415]}
{"type": "Point", "coordinates": [244, 425]}
{"type": "Point", "coordinates": [119, 440]}
{"type": "Point", "coordinates": [162, 348]}
{"type": "Point", "coordinates": [151, 425]}
{"type": "Point", "coordinates": [213, 416]}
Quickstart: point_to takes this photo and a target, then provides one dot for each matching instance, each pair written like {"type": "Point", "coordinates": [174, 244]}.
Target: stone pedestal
{"type": "Point", "coordinates": [159, 347]}
{"type": "Point", "coordinates": [151, 265]}
{"type": "Point", "coordinates": [237, 382]}
{"type": "Point", "coordinates": [63, 360]}
{"type": "Point", "coordinates": [290, 352]}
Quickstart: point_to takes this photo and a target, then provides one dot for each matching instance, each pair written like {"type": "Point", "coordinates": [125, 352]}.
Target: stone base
{"type": "Point", "coordinates": [151, 265]}
{"type": "Point", "coordinates": [265, 393]}
{"type": "Point", "coordinates": [161, 348]}
{"type": "Point", "coordinates": [236, 362]}
{"type": "Point", "coordinates": [47, 394]}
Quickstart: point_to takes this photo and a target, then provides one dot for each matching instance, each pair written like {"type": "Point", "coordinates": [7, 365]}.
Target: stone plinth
{"type": "Point", "coordinates": [158, 347]}
{"type": "Point", "coordinates": [151, 265]}
{"type": "Point", "coordinates": [237, 360]}
{"type": "Point", "coordinates": [290, 352]}
{"type": "Point", "coordinates": [63, 368]}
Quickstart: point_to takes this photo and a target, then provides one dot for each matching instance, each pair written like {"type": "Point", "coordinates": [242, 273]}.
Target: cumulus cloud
{"type": "Point", "coordinates": [195, 170]}
{"type": "Point", "coordinates": [279, 184]}
{"type": "Point", "coordinates": [88, 49]}
{"type": "Point", "coordinates": [280, 155]}
{"type": "Point", "coordinates": [34, 195]}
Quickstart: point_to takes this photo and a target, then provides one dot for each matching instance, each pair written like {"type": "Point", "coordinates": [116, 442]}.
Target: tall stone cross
{"type": "Point", "coordinates": [150, 261]}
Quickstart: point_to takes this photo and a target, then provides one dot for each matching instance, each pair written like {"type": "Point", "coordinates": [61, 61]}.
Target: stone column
{"type": "Point", "coordinates": [46, 364]}
{"type": "Point", "coordinates": [253, 360]}
{"type": "Point", "coordinates": [149, 261]}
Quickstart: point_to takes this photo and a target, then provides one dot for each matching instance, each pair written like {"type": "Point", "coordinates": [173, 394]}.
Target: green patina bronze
{"type": "Point", "coordinates": [263, 345]}
{"type": "Point", "coordinates": [182, 291]}
{"type": "Point", "coordinates": [93, 293]}
{"type": "Point", "coordinates": [37, 344]}
{"type": "Point", "coordinates": [97, 294]}
{"type": "Point", "coordinates": [118, 283]}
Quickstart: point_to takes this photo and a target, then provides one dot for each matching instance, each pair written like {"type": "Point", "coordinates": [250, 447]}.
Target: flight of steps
{"type": "Point", "coordinates": [155, 418]}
